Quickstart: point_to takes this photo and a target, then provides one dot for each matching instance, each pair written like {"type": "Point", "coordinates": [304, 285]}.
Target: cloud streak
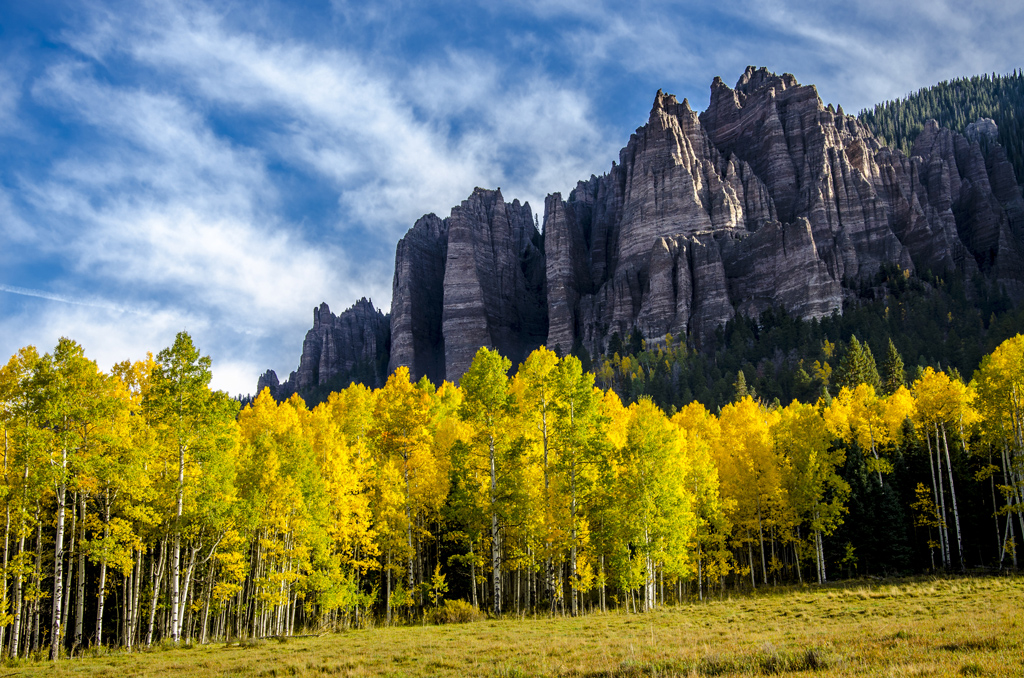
{"type": "Point", "coordinates": [224, 169]}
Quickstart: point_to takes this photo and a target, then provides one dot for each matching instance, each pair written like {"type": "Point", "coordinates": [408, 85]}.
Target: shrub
{"type": "Point", "coordinates": [455, 612]}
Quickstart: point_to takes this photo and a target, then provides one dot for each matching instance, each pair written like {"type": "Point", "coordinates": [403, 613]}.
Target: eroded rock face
{"type": "Point", "coordinates": [417, 297]}
{"type": "Point", "coordinates": [351, 346]}
{"type": "Point", "coordinates": [474, 279]}
{"type": "Point", "coordinates": [766, 199]}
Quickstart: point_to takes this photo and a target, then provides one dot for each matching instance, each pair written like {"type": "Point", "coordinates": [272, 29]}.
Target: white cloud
{"type": "Point", "coordinates": [174, 202]}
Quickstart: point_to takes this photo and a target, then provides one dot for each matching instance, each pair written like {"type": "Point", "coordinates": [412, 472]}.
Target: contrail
{"type": "Point", "coordinates": [42, 294]}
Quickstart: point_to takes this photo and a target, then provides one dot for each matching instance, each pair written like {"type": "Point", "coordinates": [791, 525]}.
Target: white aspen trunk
{"type": "Point", "coordinates": [822, 576]}
{"type": "Point", "coordinates": [408, 517]}
{"type": "Point", "coordinates": [942, 502]}
{"type": "Point", "coordinates": [161, 564]}
{"type": "Point", "coordinates": [387, 590]}
{"type": "Point", "coordinates": [935, 492]}
{"type": "Point", "coordinates": [572, 540]}
{"type": "Point", "coordinates": [796, 556]}
{"type": "Point", "coordinates": [176, 552]}
{"type": "Point", "coordinates": [185, 588]}
{"type": "Point", "coordinates": [58, 563]}
{"type": "Point", "coordinates": [995, 506]}
{"type": "Point", "coordinates": [760, 539]}
{"type": "Point", "coordinates": [66, 606]}
{"type": "Point", "coordinates": [101, 592]}
{"type": "Point", "coordinates": [37, 581]}
{"type": "Point", "coordinates": [206, 603]}
{"type": "Point", "coordinates": [472, 575]}
{"type": "Point", "coordinates": [874, 451]}
{"type": "Point", "coordinates": [750, 559]}
{"type": "Point", "coordinates": [952, 493]}
{"type": "Point", "coordinates": [80, 593]}
{"type": "Point", "coordinates": [649, 600]}
{"type": "Point", "coordinates": [495, 542]}
{"type": "Point", "coordinates": [7, 546]}
{"type": "Point", "coordinates": [131, 602]}
{"type": "Point", "coordinates": [1009, 507]}
{"type": "Point", "coordinates": [18, 581]}
{"type": "Point", "coordinates": [700, 576]}
{"type": "Point", "coordinates": [16, 626]}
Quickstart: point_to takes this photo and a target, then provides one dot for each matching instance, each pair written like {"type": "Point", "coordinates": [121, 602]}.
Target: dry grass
{"type": "Point", "coordinates": [957, 627]}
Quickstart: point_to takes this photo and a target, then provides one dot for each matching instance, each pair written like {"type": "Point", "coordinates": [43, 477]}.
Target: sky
{"type": "Point", "coordinates": [223, 167]}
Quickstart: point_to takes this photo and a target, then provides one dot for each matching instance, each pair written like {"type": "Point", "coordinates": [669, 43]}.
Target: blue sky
{"type": "Point", "coordinates": [224, 167]}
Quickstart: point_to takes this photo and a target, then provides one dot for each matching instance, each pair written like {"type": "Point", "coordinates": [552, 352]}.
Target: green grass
{"type": "Point", "coordinates": [934, 627]}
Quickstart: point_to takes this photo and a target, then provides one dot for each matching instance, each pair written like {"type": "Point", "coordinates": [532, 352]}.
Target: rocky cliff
{"type": "Point", "coordinates": [766, 199]}
{"type": "Point", "coordinates": [473, 279]}
{"type": "Point", "coordinates": [352, 346]}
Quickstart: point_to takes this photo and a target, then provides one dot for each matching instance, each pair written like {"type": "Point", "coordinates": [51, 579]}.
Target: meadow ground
{"type": "Point", "coordinates": [935, 627]}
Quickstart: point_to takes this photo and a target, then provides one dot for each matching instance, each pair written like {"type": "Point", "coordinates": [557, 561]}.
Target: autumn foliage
{"type": "Point", "coordinates": [141, 506]}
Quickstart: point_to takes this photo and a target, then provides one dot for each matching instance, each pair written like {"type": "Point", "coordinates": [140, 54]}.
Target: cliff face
{"type": "Point", "coordinates": [474, 279]}
{"type": "Point", "coordinates": [766, 199]}
{"type": "Point", "coordinates": [353, 345]}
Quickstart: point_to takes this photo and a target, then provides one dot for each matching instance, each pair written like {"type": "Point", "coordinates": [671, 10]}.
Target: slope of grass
{"type": "Point", "coordinates": [935, 627]}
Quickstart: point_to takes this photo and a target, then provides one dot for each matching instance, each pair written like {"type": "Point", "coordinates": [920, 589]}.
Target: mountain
{"type": "Point", "coordinates": [958, 104]}
{"type": "Point", "coordinates": [766, 200]}
{"type": "Point", "coordinates": [339, 349]}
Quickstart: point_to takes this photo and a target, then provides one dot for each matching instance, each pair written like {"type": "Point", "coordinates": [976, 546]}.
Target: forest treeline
{"type": "Point", "coordinates": [141, 506]}
{"type": "Point", "coordinates": [944, 322]}
{"type": "Point", "coordinates": [955, 104]}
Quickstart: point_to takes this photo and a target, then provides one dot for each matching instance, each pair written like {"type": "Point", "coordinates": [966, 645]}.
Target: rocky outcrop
{"type": "Point", "coordinates": [474, 279]}
{"type": "Point", "coordinates": [339, 349]}
{"type": "Point", "coordinates": [417, 298]}
{"type": "Point", "coordinates": [766, 199]}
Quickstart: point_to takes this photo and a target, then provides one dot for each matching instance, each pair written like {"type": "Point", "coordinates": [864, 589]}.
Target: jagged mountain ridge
{"type": "Point", "coordinates": [767, 198]}
{"type": "Point", "coordinates": [351, 346]}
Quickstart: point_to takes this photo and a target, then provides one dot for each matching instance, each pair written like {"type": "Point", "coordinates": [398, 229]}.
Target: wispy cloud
{"type": "Point", "coordinates": [226, 170]}
{"type": "Point", "coordinates": [68, 299]}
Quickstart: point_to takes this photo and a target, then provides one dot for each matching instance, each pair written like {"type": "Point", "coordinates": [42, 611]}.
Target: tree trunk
{"type": "Point", "coordinates": [71, 561]}
{"type": "Point", "coordinates": [158, 580]}
{"type": "Point", "coordinates": [952, 493]}
{"type": "Point", "coordinates": [760, 540]}
{"type": "Point", "coordinates": [37, 579]}
{"type": "Point", "coordinates": [18, 581]}
{"type": "Point", "coordinates": [572, 543]}
{"type": "Point", "coordinates": [101, 592]}
{"type": "Point", "coordinates": [937, 490]}
{"type": "Point", "coordinates": [495, 536]}
{"type": "Point", "coordinates": [176, 553]}
{"type": "Point", "coordinates": [58, 567]}
{"type": "Point", "coordinates": [80, 592]}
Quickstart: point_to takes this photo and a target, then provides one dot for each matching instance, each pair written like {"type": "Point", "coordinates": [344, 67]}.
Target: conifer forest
{"type": "Point", "coordinates": [140, 506]}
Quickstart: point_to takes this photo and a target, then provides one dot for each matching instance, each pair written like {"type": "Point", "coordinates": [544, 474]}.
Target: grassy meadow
{"type": "Point", "coordinates": [921, 627]}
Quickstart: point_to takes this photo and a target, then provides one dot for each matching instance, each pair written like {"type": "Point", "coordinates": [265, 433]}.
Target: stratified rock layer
{"type": "Point", "coordinates": [766, 199]}
{"type": "Point", "coordinates": [353, 345]}
{"type": "Point", "coordinates": [474, 279]}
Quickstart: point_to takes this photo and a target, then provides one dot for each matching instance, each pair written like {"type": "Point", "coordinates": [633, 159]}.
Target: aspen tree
{"type": "Point", "coordinates": [487, 406]}
{"type": "Point", "coordinates": [72, 400]}
{"type": "Point", "coordinates": [815, 491]}
{"type": "Point", "coordinates": [710, 543]}
{"type": "Point", "coordinates": [576, 439]}
{"type": "Point", "coordinates": [193, 426]}
{"type": "Point", "coordinates": [534, 389]}
{"type": "Point", "coordinates": [1000, 385]}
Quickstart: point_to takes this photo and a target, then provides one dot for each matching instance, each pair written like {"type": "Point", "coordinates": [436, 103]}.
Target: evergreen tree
{"type": "Point", "coordinates": [740, 385]}
{"type": "Point", "coordinates": [892, 367]}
